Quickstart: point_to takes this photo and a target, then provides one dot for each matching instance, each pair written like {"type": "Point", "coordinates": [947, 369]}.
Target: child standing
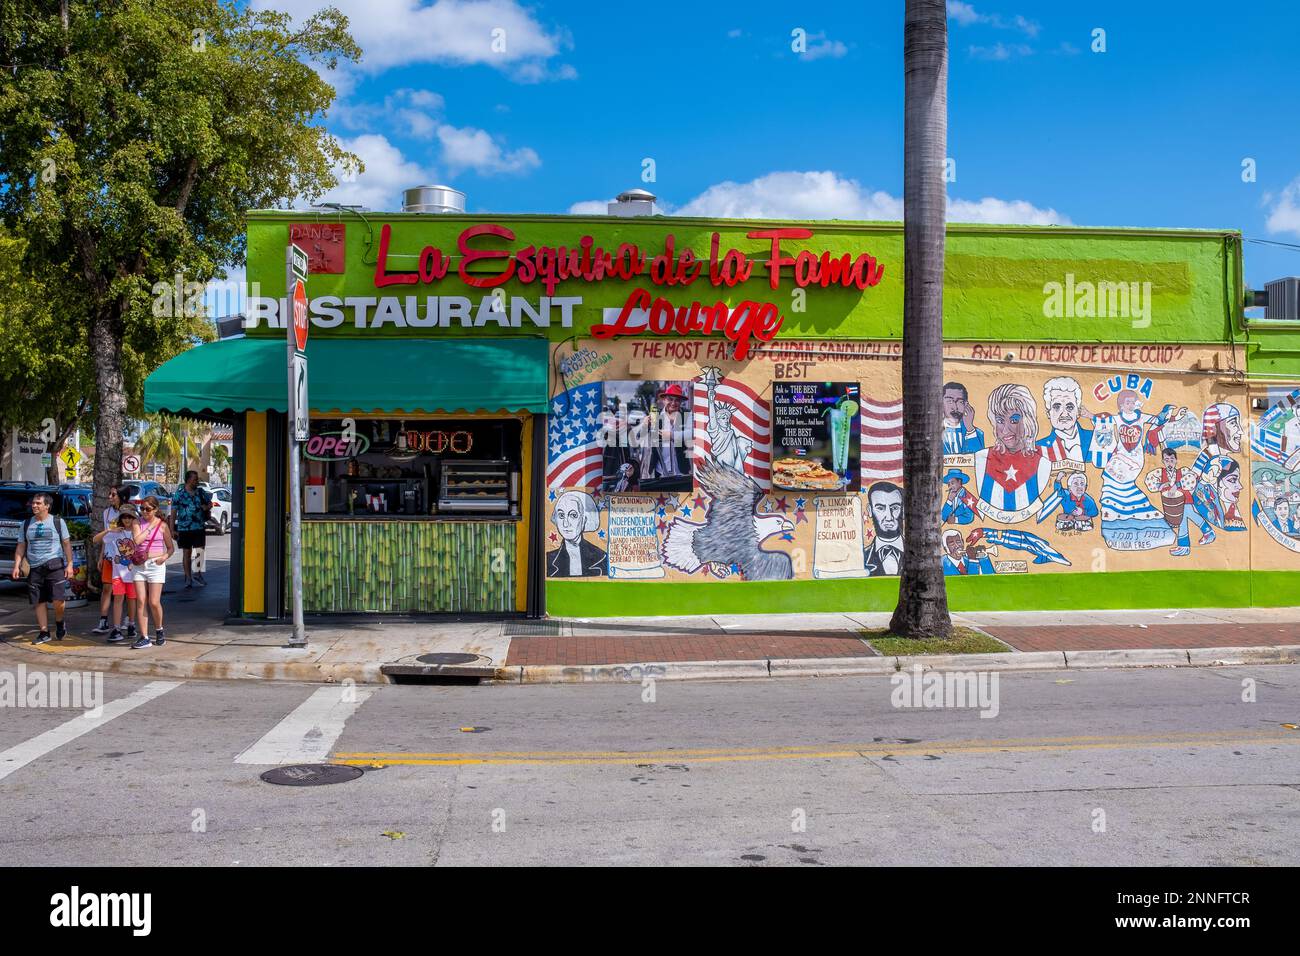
{"type": "Point", "coordinates": [118, 544]}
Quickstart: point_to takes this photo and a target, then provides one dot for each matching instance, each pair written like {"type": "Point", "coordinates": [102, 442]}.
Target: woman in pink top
{"type": "Point", "coordinates": [153, 541]}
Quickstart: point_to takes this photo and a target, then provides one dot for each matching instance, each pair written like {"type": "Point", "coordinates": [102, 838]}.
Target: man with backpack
{"type": "Point", "coordinates": [45, 543]}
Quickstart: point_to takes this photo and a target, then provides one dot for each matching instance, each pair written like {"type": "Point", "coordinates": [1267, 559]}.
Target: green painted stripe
{"type": "Point", "coordinates": [1026, 592]}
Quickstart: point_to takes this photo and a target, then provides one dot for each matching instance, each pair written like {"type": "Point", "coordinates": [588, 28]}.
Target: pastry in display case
{"type": "Point", "coordinates": [469, 486]}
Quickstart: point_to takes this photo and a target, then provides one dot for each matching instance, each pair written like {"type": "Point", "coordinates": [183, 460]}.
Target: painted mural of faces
{"type": "Point", "coordinates": [1063, 398]}
{"type": "Point", "coordinates": [1013, 417]}
{"type": "Point", "coordinates": [955, 403]}
{"type": "Point", "coordinates": [575, 513]}
{"type": "Point", "coordinates": [1078, 484]}
{"type": "Point", "coordinates": [1230, 433]}
{"type": "Point", "coordinates": [953, 544]}
{"type": "Point", "coordinates": [1282, 510]}
{"type": "Point", "coordinates": [1230, 484]}
{"type": "Point", "coordinates": [1129, 402]}
{"type": "Point", "coordinates": [886, 501]}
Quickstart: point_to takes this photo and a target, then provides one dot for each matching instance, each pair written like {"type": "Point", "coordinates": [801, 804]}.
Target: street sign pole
{"type": "Point", "coordinates": [295, 272]}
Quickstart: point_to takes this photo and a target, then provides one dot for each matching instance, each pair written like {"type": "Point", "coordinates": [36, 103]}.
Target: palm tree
{"type": "Point", "coordinates": [922, 609]}
{"type": "Point", "coordinates": [221, 462]}
{"type": "Point", "coordinates": [169, 440]}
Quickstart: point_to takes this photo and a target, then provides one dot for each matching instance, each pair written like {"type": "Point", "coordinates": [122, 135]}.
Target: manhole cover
{"type": "Point", "coordinates": [311, 774]}
{"type": "Point", "coordinates": [531, 629]}
{"type": "Point", "coordinates": [447, 658]}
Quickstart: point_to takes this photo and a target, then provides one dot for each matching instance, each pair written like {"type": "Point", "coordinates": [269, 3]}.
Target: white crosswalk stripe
{"type": "Point", "coordinates": [20, 755]}
{"type": "Point", "coordinates": [307, 734]}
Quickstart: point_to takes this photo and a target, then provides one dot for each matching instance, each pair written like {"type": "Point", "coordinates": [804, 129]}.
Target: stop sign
{"type": "Point", "coordinates": [300, 314]}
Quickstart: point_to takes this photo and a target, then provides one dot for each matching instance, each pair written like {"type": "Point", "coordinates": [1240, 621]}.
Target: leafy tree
{"type": "Point", "coordinates": [46, 378]}
{"type": "Point", "coordinates": [922, 609]}
{"type": "Point", "coordinates": [167, 438]}
{"type": "Point", "coordinates": [133, 136]}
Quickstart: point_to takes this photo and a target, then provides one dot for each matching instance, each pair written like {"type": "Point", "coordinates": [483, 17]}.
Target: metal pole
{"type": "Point", "coordinates": [299, 638]}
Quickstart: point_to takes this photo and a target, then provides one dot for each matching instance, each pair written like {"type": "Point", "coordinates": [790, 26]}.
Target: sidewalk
{"type": "Point", "coordinates": [623, 649]}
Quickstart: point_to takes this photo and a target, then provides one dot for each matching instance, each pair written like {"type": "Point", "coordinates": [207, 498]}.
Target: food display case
{"type": "Point", "coordinates": [477, 486]}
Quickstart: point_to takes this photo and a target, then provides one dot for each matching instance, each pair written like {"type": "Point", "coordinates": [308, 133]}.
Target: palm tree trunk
{"type": "Point", "coordinates": [922, 598]}
{"type": "Point", "coordinates": [106, 332]}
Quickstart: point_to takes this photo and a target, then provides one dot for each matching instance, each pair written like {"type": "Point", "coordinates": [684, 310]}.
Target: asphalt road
{"type": "Point", "coordinates": [1178, 768]}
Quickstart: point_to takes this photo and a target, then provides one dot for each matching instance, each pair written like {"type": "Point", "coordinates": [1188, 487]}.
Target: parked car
{"type": "Point", "coordinates": [70, 501]}
{"type": "Point", "coordinates": [135, 491]}
{"type": "Point", "coordinates": [219, 516]}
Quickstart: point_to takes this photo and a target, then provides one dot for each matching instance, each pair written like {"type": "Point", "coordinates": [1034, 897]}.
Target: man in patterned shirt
{"type": "Point", "coordinates": [190, 507]}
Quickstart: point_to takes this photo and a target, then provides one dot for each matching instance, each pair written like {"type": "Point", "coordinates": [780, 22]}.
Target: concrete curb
{"type": "Point", "coordinates": [373, 672]}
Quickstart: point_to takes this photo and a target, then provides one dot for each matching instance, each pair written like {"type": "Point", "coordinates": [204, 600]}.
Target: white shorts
{"type": "Point", "coordinates": [152, 571]}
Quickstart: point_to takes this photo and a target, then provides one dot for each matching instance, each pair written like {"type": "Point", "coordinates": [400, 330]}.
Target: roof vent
{"type": "Point", "coordinates": [633, 202]}
{"type": "Point", "coordinates": [1283, 299]}
{"type": "Point", "coordinates": [433, 199]}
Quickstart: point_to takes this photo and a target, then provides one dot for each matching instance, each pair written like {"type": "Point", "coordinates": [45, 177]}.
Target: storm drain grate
{"type": "Point", "coordinates": [311, 775]}
{"type": "Point", "coordinates": [448, 658]}
{"type": "Point", "coordinates": [531, 629]}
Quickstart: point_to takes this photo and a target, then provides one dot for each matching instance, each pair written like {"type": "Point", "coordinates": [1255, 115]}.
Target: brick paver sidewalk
{"type": "Point", "coordinates": [1110, 637]}
{"type": "Point", "coordinates": [633, 648]}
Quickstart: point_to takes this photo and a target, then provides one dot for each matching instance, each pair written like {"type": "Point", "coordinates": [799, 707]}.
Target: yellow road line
{"type": "Point", "coordinates": [832, 751]}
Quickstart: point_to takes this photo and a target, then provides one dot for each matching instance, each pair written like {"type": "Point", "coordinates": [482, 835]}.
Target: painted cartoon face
{"type": "Point", "coordinates": [1128, 403]}
{"type": "Point", "coordinates": [1077, 484]}
{"type": "Point", "coordinates": [1230, 429]}
{"type": "Point", "coordinates": [1170, 459]}
{"type": "Point", "coordinates": [1063, 411]}
{"type": "Point", "coordinates": [953, 545]}
{"type": "Point", "coordinates": [887, 513]}
{"type": "Point", "coordinates": [1283, 511]}
{"type": "Point", "coordinates": [569, 518]}
{"type": "Point", "coordinates": [954, 485]}
{"type": "Point", "coordinates": [1230, 487]}
{"type": "Point", "coordinates": [1009, 428]}
{"type": "Point", "coordinates": [722, 412]}
{"type": "Point", "coordinates": [954, 405]}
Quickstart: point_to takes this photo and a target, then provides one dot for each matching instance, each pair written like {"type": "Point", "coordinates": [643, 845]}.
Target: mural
{"type": "Point", "coordinates": [1044, 470]}
{"type": "Point", "coordinates": [729, 540]}
{"type": "Point", "coordinates": [1275, 474]}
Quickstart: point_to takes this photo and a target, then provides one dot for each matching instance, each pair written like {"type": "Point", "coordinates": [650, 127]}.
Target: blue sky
{"type": "Point", "coordinates": [1151, 132]}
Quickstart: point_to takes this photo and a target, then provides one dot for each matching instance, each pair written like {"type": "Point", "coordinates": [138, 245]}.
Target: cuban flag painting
{"type": "Point", "coordinates": [573, 447]}
{"type": "Point", "coordinates": [1011, 484]}
{"type": "Point", "coordinates": [1025, 541]}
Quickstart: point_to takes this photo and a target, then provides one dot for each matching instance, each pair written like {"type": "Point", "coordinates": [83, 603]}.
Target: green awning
{"type": "Point", "coordinates": [366, 375]}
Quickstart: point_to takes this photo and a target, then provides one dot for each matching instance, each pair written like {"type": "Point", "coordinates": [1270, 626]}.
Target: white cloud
{"type": "Point", "coordinates": [456, 32]}
{"type": "Point", "coordinates": [1284, 216]}
{"type": "Point", "coordinates": [819, 46]}
{"type": "Point", "coordinates": [966, 15]}
{"type": "Point", "coordinates": [1000, 51]}
{"type": "Point", "coordinates": [825, 195]}
{"type": "Point", "coordinates": [1004, 212]}
{"type": "Point", "coordinates": [409, 111]}
{"type": "Point", "coordinates": [590, 207]}
{"type": "Point", "coordinates": [476, 149]}
{"type": "Point", "coordinates": [387, 173]}
{"type": "Point", "coordinates": [793, 195]}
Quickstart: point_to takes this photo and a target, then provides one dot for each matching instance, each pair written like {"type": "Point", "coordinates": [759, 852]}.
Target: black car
{"type": "Point", "coordinates": [72, 502]}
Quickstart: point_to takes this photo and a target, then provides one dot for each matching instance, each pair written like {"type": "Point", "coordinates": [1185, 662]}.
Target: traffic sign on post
{"type": "Point", "coordinates": [295, 283]}
{"type": "Point", "coordinates": [131, 464]}
{"type": "Point", "coordinates": [301, 422]}
{"type": "Point", "coordinates": [300, 324]}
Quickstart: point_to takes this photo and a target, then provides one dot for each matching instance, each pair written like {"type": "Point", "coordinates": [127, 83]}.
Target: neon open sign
{"type": "Point", "coordinates": [335, 446]}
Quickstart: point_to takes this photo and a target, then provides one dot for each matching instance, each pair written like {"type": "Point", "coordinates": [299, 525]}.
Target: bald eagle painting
{"type": "Point", "coordinates": [730, 537]}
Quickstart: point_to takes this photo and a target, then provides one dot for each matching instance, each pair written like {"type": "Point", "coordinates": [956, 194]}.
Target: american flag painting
{"type": "Point", "coordinates": [882, 440]}
{"type": "Point", "coordinates": [574, 451]}
{"type": "Point", "coordinates": [752, 418]}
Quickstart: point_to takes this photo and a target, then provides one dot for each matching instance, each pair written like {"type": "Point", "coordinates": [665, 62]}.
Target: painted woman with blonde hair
{"type": "Point", "coordinates": [1011, 474]}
